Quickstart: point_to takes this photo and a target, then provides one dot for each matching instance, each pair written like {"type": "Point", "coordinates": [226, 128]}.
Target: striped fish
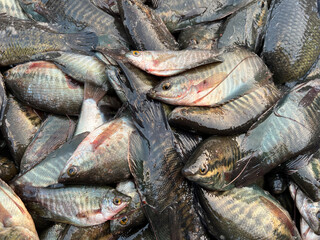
{"type": "Point", "coordinates": [215, 83]}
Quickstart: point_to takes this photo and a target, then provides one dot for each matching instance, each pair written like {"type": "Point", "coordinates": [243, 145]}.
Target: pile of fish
{"type": "Point", "coordinates": [185, 119]}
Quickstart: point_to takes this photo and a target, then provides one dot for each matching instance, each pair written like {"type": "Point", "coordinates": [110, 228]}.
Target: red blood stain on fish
{"type": "Point", "coordinates": [106, 134]}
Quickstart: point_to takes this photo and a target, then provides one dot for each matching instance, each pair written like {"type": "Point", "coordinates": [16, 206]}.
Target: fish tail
{"type": "Point", "coordinates": [81, 42]}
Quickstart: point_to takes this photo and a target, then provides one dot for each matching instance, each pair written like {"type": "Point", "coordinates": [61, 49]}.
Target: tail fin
{"type": "Point", "coordinates": [83, 42]}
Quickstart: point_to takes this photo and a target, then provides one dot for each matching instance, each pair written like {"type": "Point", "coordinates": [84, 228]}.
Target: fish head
{"type": "Point", "coordinates": [113, 203]}
{"type": "Point", "coordinates": [309, 210]}
{"type": "Point", "coordinates": [141, 59]}
{"type": "Point", "coordinates": [118, 224]}
{"type": "Point", "coordinates": [171, 90]}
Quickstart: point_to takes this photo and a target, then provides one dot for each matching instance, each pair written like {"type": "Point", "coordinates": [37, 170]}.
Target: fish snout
{"type": "Point", "coordinates": [152, 93]}
{"type": "Point", "coordinates": [189, 171]}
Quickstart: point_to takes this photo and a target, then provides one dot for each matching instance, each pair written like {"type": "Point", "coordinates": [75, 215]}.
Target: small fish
{"type": "Point", "coordinates": [45, 87]}
{"type": "Point", "coordinates": [53, 133]}
{"type": "Point", "coordinates": [77, 205]}
{"type": "Point", "coordinates": [21, 39]}
{"type": "Point", "coordinates": [102, 155]}
{"type": "Point", "coordinates": [233, 117]}
{"type": "Point", "coordinates": [15, 220]}
{"type": "Point", "coordinates": [168, 63]}
{"type": "Point", "coordinates": [216, 83]}
{"type": "Point", "coordinates": [246, 213]}
{"type": "Point", "coordinates": [309, 210]}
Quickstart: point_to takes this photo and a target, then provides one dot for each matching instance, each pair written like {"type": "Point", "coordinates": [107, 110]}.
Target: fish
{"type": "Point", "coordinates": [19, 125]}
{"type": "Point", "coordinates": [8, 169]}
{"type": "Point", "coordinates": [168, 63]}
{"type": "Point", "coordinates": [22, 39]}
{"type": "Point", "coordinates": [211, 159]}
{"type": "Point", "coordinates": [233, 117]}
{"type": "Point", "coordinates": [16, 222]}
{"type": "Point", "coordinates": [3, 98]}
{"type": "Point", "coordinates": [29, 8]}
{"type": "Point", "coordinates": [53, 132]}
{"type": "Point", "coordinates": [309, 210]}
{"type": "Point", "coordinates": [277, 183]}
{"type": "Point", "coordinates": [291, 40]}
{"type": "Point", "coordinates": [77, 205]}
{"type": "Point", "coordinates": [45, 87]}
{"type": "Point", "coordinates": [102, 155]}
{"type": "Point", "coordinates": [306, 231]}
{"type": "Point", "coordinates": [12, 8]}
{"type": "Point", "coordinates": [246, 213]}
{"type": "Point", "coordinates": [215, 83]}
{"type": "Point", "coordinates": [145, 28]}
{"type": "Point", "coordinates": [46, 172]}
{"type": "Point", "coordinates": [246, 27]}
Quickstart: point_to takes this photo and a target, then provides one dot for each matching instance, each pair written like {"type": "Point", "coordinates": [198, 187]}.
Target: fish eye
{"type": "Point", "coordinates": [262, 4]}
{"type": "Point", "coordinates": [136, 53]}
{"type": "Point", "coordinates": [318, 215]}
{"type": "Point", "coordinates": [72, 171]}
{"type": "Point", "coordinates": [166, 86]}
{"type": "Point", "coordinates": [117, 201]}
{"type": "Point", "coordinates": [6, 74]}
{"type": "Point", "coordinates": [203, 169]}
{"type": "Point", "coordinates": [124, 220]}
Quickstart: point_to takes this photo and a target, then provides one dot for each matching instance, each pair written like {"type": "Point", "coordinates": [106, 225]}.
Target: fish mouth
{"type": "Point", "coordinates": [152, 93]}
{"type": "Point", "coordinates": [63, 178]}
{"type": "Point", "coordinates": [188, 172]}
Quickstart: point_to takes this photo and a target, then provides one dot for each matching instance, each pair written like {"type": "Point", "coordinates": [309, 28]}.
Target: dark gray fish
{"type": "Point", "coordinates": [3, 98]}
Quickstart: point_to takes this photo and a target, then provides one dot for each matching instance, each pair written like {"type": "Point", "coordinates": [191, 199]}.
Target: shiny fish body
{"type": "Point", "coordinates": [102, 156]}
{"type": "Point", "coordinates": [168, 63]}
{"type": "Point", "coordinates": [3, 98]}
{"type": "Point", "coordinates": [146, 29]}
{"type": "Point", "coordinates": [306, 231]}
{"type": "Point", "coordinates": [15, 221]}
{"type": "Point", "coordinates": [20, 124]}
{"type": "Point", "coordinates": [292, 37]}
{"type": "Point", "coordinates": [45, 87]}
{"type": "Point", "coordinates": [8, 169]}
{"type": "Point", "coordinates": [291, 128]}
{"type": "Point", "coordinates": [215, 83]}
{"type": "Point", "coordinates": [233, 117]}
{"type": "Point", "coordinates": [12, 8]}
{"type": "Point", "coordinates": [54, 132]}
{"type": "Point", "coordinates": [47, 172]}
{"type": "Point", "coordinates": [77, 205]}
{"type": "Point", "coordinates": [246, 213]}
{"type": "Point", "coordinates": [21, 39]}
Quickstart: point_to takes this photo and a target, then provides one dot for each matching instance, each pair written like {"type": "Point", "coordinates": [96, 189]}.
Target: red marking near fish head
{"type": "Point", "coordinates": [41, 64]}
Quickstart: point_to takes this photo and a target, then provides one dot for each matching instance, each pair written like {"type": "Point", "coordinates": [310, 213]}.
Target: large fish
{"type": "Point", "coordinates": [15, 220]}
{"type": "Point", "coordinates": [215, 83]}
{"type": "Point", "coordinates": [292, 37]}
{"type": "Point", "coordinates": [246, 213]}
{"type": "Point", "coordinates": [21, 39]}
{"type": "Point", "coordinates": [45, 87]}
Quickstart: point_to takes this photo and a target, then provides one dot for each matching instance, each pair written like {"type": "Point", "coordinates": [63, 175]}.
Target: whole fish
{"type": "Point", "coordinates": [21, 39]}
{"type": "Point", "coordinates": [168, 63]}
{"type": "Point", "coordinates": [45, 87]}
{"type": "Point", "coordinates": [15, 220]}
{"type": "Point", "coordinates": [246, 213]}
{"type": "Point", "coordinates": [8, 169]}
{"type": "Point", "coordinates": [19, 125]}
{"type": "Point", "coordinates": [102, 155]}
{"type": "Point", "coordinates": [309, 210]}
{"type": "Point", "coordinates": [12, 8]}
{"type": "Point", "coordinates": [306, 231]}
{"type": "Point", "coordinates": [77, 205]}
{"type": "Point", "coordinates": [233, 117]}
{"type": "Point", "coordinates": [145, 28]}
{"type": "Point", "coordinates": [291, 40]}
{"type": "Point", "coordinates": [215, 83]}
{"type": "Point", "coordinates": [180, 14]}
{"type": "Point", "coordinates": [213, 157]}
{"type": "Point", "coordinates": [54, 132]}
{"type": "Point", "coordinates": [46, 172]}
{"type": "Point", "coordinates": [3, 98]}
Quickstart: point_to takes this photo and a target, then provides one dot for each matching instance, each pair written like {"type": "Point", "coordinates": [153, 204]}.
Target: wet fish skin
{"type": "Point", "coordinates": [21, 39]}
{"type": "Point", "coordinates": [12, 8]}
{"type": "Point", "coordinates": [146, 29]}
{"type": "Point", "coordinates": [168, 63]}
{"type": "Point", "coordinates": [309, 210]}
{"type": "Point", "coordinates": [306, 231]}
{"type": "Point", "coordinates": [102, 156]}
{"type": "Point", "coordinates": [215, 83]}
{"type": "Point", "coordinates": [290, 46]}
{"type": "Point", "coordinates": [3, 98]}
{"type": "Point", "coordinates": [77, 205]}
{"type": "Point", "coordinates": [258, 215]}
{"type": "Point", "coordinates": [19, 125]}
{"type": "Point", "coordinates": [211, 159]}
{"type": "Point", "coordinates": [45, 87]}
{"type": "Point", "coordinates": [54, 132]}
{"type": "Point", "coordinates": [16, 222]}
{"type": "Point", "coordinates": [233, 117]}
{"type": "Point", "coordinates": [47, 172]}
{"type": "Point", "coordinates": [29, 8]}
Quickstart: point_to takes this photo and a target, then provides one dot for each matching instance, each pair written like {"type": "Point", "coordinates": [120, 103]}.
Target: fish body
{"type": "Point", "coordinates": [12, 8]}
{"type": "Point", "coordinates": [246, 213]}
{"type": "Point", "coordinates": [168, 63]}
{"type": "Point", "coordinates": [3, 98]}
{"type": "Point", "coordinates": [44, 86]}
{"type": "Point", "coordinates": [233, 117]}
{"type": "Point", "coordinates": [215, 83]}
{"type": "Point", "coordinates": [291, 40]}
{"type": "Point", "coordinates": [306, 231]}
